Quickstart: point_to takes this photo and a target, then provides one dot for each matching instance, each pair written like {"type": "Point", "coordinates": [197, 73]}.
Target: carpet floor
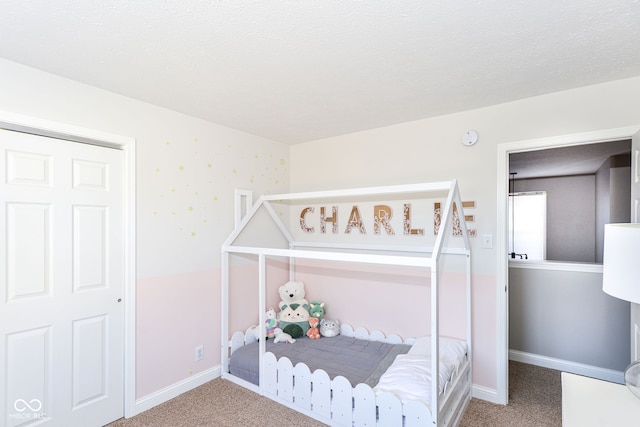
{"type": "Point", "coordinates": [534, 401]}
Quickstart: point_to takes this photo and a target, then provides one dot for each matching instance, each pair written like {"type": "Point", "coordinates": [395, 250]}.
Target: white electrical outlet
{"type": "Point", "coordinates": [199, 353]}
{"type": "Point", "coordinates": [487, 241]}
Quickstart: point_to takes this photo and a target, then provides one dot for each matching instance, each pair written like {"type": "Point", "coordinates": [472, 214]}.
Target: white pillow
{"type": "Point", "coordinates": [453, 347]}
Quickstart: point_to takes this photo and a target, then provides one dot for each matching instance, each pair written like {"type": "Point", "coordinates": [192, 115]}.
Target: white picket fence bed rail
{"type": "Point", "coordinates": [337, 403]}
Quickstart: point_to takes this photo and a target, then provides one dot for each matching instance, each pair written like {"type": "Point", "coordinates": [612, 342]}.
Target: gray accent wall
{"type": "Point", "coordinates": [566, 315]}
{"type": "Point", "coordinates": [571, 215]}
{"type": "Point", "coordinates": [613, 196]}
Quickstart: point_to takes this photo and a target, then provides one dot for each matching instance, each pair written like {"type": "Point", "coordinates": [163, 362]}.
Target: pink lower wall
{"type": "Point", "coordinates": [174, 315]}
{"type": "Point", "coordinates": [397, 300]}
{"type": "Point", "coordinates": [244, 289]}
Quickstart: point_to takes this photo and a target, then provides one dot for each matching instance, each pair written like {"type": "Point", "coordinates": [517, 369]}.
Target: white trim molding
{"type": "Point", "coordinates": [567, 366]}
{"type": "Point", "coordinates": [484, 393]}
{"type": "Point", "coordinates": [172, 391]}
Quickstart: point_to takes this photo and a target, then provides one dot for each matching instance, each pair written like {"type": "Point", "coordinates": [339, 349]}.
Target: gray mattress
{"type": "Point", "coordinates": [360, 361]}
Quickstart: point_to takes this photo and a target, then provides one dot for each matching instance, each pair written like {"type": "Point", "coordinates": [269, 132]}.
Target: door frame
{"type": "Point", "coordinates": [502, 273]}
{"type": "Point", "coordinates": [127, 145]}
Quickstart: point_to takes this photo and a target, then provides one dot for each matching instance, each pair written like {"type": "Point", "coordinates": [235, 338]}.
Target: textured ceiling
{"type": "Point", "coordinates": [295, 71]}
{"type": "Point", "coordinates": [583, 159]}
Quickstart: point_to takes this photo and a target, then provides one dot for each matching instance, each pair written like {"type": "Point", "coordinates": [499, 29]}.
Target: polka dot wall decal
{"type": "Point", "coordinates": [193, 234]}
{"type": "Point", "coordinates": [157, 170]}
{"type": "Point", "coordinates": [181, 168]}
{"type": "Point", "coordinates": [209, 165]}
{"type": "Point", "coordinates": [167, 143]}
{"type": "Point", "coordinates": [190, 208]}
{"type": "Point", "coordinates": [281, 161]}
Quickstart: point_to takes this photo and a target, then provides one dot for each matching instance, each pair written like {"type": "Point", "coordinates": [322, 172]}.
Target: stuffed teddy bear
{"type": "Point", "coordinates": [292, 293]}
{"type": "Point", "coordinates": [329, 328]}
{"type": "Point", "coordinates": [313, 332]}
{"type": "Point", "coordinates": [294, 319]}
{"type": "Point", "coordinates": [282, 336]}
{"type": "Point", "coordinates": [294, 309]}
{"type": "Point", "coordinates": [316, 309]}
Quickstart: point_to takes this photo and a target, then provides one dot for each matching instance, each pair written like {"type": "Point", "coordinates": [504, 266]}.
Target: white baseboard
{"type": "Point", "coordinates": [567, 366]}
{"type": "Point", "coordinates": [484, 393]}
{"type": "Point", "coordinates": [168, 393]}
{"type": "Point", "coordinates": [479, 392]}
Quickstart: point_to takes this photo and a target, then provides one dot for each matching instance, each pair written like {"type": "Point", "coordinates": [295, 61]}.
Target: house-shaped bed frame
{"type": "Point", "coordinates": [335, 402]}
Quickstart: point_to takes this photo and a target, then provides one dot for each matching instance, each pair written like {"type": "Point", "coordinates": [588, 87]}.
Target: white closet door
{"type": "Point", "coordinates": [61, 282]}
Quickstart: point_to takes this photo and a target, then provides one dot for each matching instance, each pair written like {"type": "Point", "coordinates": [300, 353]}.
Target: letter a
{"type": "Point", "coordinates": [355, 220]}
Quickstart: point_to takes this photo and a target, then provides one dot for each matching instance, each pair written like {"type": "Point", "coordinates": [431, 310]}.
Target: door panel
{"type": "Point", "coordinates": [635, 178]}
{"type": "Point", "coordinates": [28, 266]}
{"type": "Point", "coordinates": [89, 363]}
{"type": "Point", "coordinates": [635, 217]}
{"type": "Point", "coordinates": [29, 356]}
{"type": "Point", "coordinates": [61, 282]}
{"type": "Point", "coordinates": [89, 247]}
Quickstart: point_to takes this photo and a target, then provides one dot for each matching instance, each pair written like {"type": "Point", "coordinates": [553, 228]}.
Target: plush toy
{"type": "Point", "coordinates": [329, 328]}
{"type": "Point", "coordinates": [313, 332]}
{"type": "Point", "coordinates": [270, 322]}
{"type": "Point", "coordinates": [282, 336]}
{"type": "Point", "coordinates": [258, 333]}
{"type": "Point", "coordinates": [294, 319]}
{"type": "Point", "coordinates": [292, 293]}
{"type": "Point", "coordinates": [294, 309]}
{"type": "Point", "coordinates": [316, 309]}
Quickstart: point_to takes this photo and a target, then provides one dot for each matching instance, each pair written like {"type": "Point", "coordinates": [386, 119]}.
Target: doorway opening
{"type": "Point", "coordinates": [504, 153]}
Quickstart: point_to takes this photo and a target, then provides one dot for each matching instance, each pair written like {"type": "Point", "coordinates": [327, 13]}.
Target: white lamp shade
{"type": "Point", "coordinates": [621, 261]}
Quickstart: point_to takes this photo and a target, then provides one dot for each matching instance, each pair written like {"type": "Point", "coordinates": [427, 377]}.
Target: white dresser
{"type": "Point", "coordinates": [589, 402]}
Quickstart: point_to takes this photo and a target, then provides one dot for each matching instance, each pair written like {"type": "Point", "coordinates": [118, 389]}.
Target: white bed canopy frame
{"type": "Point", "coordinates": [427, 257]}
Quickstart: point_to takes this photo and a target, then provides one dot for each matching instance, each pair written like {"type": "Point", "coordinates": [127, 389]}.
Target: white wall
{"type": "Point", "coordinates": [187, 170]}
{"type": "Point", "coordinates": [185, 162]}
{"type": "Point", "coordinates": [430, 150]}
